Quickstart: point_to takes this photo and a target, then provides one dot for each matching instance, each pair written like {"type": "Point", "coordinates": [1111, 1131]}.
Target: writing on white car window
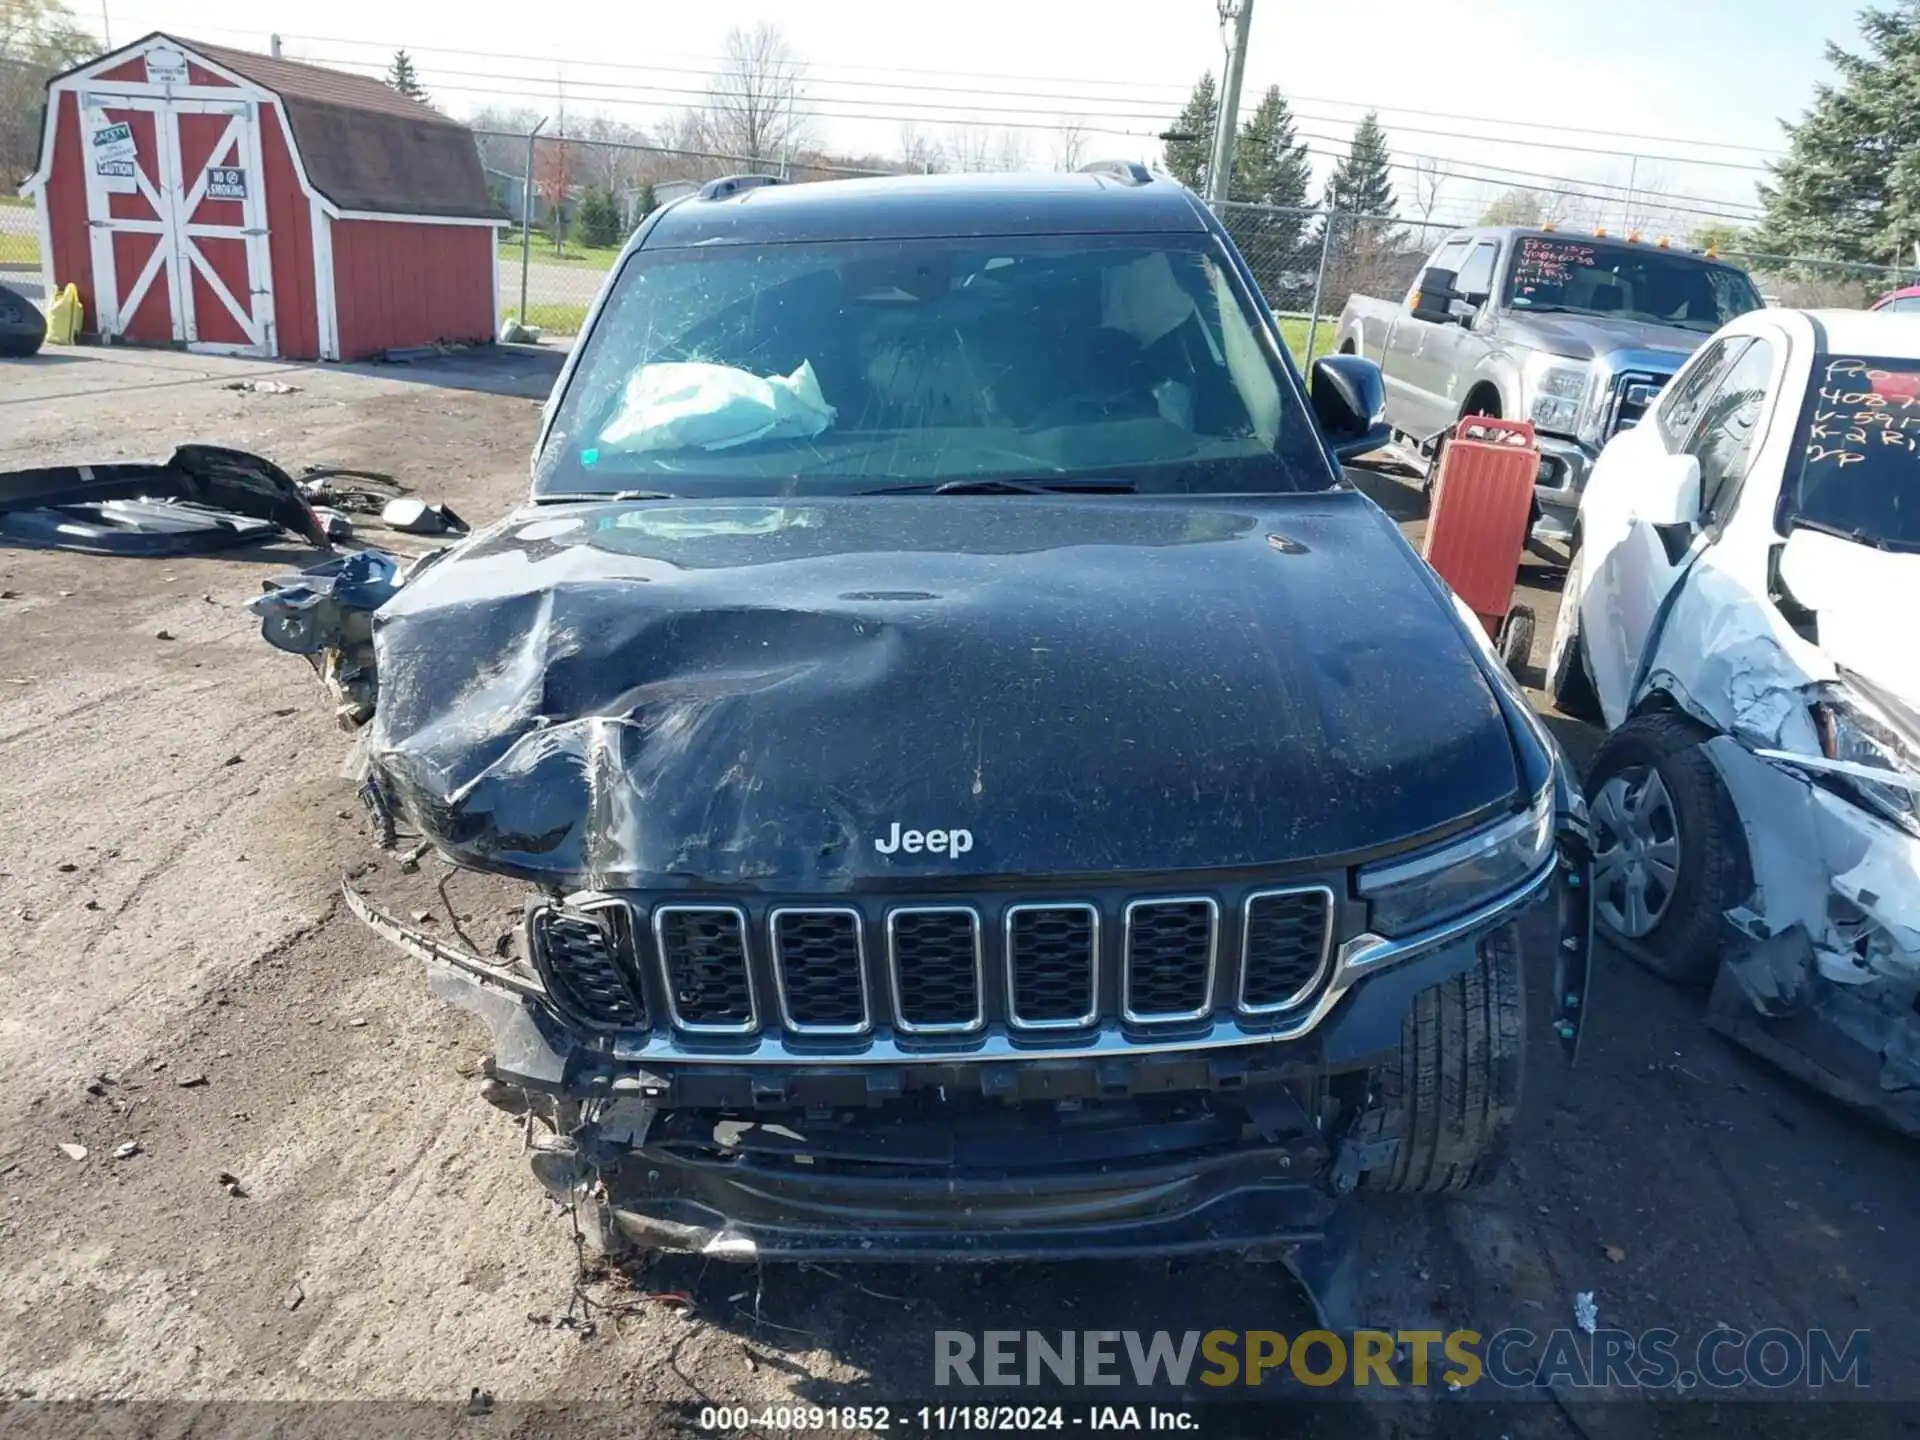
{"type": "Point", "coordinates": [1856, 467]}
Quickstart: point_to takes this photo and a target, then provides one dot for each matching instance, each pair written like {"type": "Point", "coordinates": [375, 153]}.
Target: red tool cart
{"type": "Point", "coordinates": [1477, 524]}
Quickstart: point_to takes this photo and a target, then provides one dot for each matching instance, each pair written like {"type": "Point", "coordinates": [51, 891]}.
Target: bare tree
{"type": "Point", "coordinates": [919, 151]}
{"type": "Point", "coordinates": [1427, 181]}
{"type": "Point", "coordinates": [1069, 144]}
{"type": "Point", "coordinates": [609, 159]}
{"type": "Point", "coordinates": [754, 106]}
{"type": "Point", "coordinates": [967, 148]}
{"type": "Point", "coordinates": [38, 38]}
{"type": "Point", "coordinates": [1010, 151]}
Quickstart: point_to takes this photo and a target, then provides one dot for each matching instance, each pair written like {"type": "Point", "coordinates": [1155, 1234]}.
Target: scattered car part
{"type": "Point", "coordinates": [209, 481]}
{"type": "Point", "coordinates": [420, 517]}
{"type": "Point", "coordinates": [326, 615]}
{"type": "Point", "coordinates": [22, 327]}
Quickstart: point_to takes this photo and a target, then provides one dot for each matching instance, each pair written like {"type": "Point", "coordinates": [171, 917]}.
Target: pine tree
{"type": "Point", "coordinates": [1271, 169]}
{"type": "Point", "coordinates": [1362, 183]}
{"type": "Point", "coordinates": [1849, 187]}
{"type": "Point", "coordinates": [1362, 255]}
{"type": "Point", "coordinates": [646, 203]}
{"type": "Point", "coordinates": [403, 77]}
{"type": "Point", "coordinates": [597, 220]}
{"type": "Point", "coordinates": [1186, 160]}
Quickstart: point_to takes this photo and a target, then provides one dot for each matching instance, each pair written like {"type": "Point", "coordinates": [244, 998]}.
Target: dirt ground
{"type": "Point", "coordinates": [178, 972]}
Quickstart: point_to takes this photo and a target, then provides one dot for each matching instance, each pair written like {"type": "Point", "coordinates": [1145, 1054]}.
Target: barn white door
{"type": "Point", "coordinates": [177, 217]}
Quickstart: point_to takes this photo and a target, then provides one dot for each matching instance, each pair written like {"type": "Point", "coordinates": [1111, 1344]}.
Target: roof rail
{"type": "Point", "coordinates": [736, 184]}
{"type": "Point", "coordinates": [1131, 171]}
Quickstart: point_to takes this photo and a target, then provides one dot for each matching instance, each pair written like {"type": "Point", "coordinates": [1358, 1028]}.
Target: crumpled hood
{"type": "Point", "coordinates": [754, 694]}
{"type": "Point", "coordinates": [1588, 337]}
{"type": "Point", "coordinates": [1866, 600]}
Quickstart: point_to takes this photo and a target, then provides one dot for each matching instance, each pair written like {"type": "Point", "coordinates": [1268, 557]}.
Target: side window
{"type": "Point", "coordinates": [1447, 257]}
{"type": "Point", "coordinates": [1907, 303]}
{"type": "Point", "coordinates": [1689, 390]}
{"type": "Point", "coordinates": [1476, 277]}
{"type": "Point", "coordinates": [1729, 428]}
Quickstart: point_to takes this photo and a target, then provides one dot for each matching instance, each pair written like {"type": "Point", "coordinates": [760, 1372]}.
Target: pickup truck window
{"type": "Point", "coordinates": [1637, 282]}
{"type": "Point", "coordinates": [1476, 276]}
{"type": "Point", "coordinates": [1856, 467]}
{"type": "Point", "coordinates": [1448, 257]}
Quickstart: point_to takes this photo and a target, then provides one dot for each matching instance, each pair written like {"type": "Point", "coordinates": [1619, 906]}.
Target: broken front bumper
{"type": "Point", "coordinates": [1823, 974]}
{"type": "Point", "coordinates": [1121, 1150]}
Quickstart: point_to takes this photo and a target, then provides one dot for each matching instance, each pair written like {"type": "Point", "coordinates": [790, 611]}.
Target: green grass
{"type": "Point", "coordinates": [582, 257]}
{"type": "Point", "coordinates": [554, 319]}
{"type": "Point", "coordinates": [1294, 332]}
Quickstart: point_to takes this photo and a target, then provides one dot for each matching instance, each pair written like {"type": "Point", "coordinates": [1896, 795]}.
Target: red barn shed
{"type": "Point", "coordinates": [244, 204]}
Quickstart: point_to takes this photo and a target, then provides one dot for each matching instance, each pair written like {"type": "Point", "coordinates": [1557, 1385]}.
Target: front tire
{"type": "Point", "coordinates": [1669, 855]}
{"type": "Point", "coordinates": [1449, 1096]}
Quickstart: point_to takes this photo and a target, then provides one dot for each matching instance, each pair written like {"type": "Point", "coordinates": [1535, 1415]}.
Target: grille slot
{"type": "Point", "coordinates": [580, 954]}
{"type": "Point", "coordinates": [703, 955]}
{"type": "Point", "coordinates": [1167, 972]}
{"type": "Point", "coordinates": [1052, 955]}
{"type": "Point", "coordinates": [933, 957]}
{"type": "Point", "coordinates": [819, 963]}
{"type": "Point", "coordinates": [1633, 392]}
{"type": "Point", "coordinates": [1284, 946]}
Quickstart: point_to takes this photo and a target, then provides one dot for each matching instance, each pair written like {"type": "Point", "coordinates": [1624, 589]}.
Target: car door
{"type": "Point", "coordinates": [1713, 412]}
{"type": "Point", "coordinates": [1457, 349]}
{"type": "Point", "coordinates": [1415, 382]}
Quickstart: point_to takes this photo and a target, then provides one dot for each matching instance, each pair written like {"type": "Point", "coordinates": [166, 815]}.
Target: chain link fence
{"type": "Point", "coordinates": [575, 201]}
{"type": "Point", "coordinates": [20, 248]}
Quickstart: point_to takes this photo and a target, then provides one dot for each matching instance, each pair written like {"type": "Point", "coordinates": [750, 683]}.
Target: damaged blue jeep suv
{"type": "Point", "coordinates": [986, 785]}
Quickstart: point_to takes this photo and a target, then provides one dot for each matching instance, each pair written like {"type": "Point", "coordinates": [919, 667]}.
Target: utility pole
{"type": "Point", "coordinates": [275, 45]}
{"type": "Point", "coordinates": [1227, 121]}
{"type": "Point", "coordinates": [1633, 173]}
{"type": "Point", "coordinates": [526, 220]}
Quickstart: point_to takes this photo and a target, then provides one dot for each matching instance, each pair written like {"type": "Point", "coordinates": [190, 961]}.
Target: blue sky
{"type": "Point", "coordinates": [1678, 72]}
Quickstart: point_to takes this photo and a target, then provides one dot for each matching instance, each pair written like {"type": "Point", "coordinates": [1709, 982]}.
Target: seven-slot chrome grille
{"type": "Point", "coordinates": [938, 973]}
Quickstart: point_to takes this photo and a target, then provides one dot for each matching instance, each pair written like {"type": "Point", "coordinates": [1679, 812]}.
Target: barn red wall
{"type": "Point", "coordinates": [66, 202]}
{"type": "Point", "coordinates": [398, 284]}
{"type": "Point", "coordinates": [289, 244]}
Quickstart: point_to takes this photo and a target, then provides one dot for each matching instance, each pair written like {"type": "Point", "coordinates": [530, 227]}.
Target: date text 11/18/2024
{"type": "Point", "coordinates": [944, 1419]}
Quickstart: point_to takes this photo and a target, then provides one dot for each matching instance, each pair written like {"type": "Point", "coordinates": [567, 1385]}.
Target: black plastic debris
{"type": "Point", "coordinates": [22, 327]}
{"type": "Point", "coordinates": [419, 517]}
{"type": "Point", "coordinates": [204, 498]}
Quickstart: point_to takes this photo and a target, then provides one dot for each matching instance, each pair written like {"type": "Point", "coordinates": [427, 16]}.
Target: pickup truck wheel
{"type": "Point", "coordinates": [1449, 1097]}
{"type": "Point", "coordinates": [1669, 856]}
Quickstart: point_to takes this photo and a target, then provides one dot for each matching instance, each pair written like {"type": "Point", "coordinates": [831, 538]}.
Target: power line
{"type": "Point", "coordinates": [956, 112]}
{"type": "Point", "coordinates": [1000, 91]}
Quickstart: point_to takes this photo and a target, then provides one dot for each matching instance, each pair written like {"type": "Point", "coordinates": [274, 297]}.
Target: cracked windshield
{"type": "Point", "coordinates": [834, 367]}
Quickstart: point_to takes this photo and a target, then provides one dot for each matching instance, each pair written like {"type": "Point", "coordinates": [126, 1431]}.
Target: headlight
{"type": "Point", "coordinates": [1850, 732]}
{"type": "Point", "coordinates": [1432, 887]}
{"type": "Point", "coordinates": [1553, 389]}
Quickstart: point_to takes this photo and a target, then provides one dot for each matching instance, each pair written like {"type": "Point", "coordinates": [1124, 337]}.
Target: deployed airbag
{"type": "Point", "coordinates": [696, 406]}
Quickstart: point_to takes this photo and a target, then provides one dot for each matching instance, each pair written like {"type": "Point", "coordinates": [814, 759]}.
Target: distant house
{"type": "Point", "coordinates": [663, 192]}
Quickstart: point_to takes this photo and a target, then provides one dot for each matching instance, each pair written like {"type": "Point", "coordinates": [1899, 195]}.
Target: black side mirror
{"type": "Point", "coordinates": [1434, 295]}
{"type": "Point", "coordinates": [1349, 399]}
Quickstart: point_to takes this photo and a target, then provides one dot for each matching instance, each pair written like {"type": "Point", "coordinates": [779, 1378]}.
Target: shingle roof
{"type": "Point", "coordinates": [366, 146]}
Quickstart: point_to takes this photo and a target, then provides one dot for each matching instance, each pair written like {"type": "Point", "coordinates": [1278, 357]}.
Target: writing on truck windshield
{"type": "Point", "coordinates": [834, 367]}
{"type": "Point", "coordinates": [1552, 274]}
{"type": "Point", "coordinates": [1856, 471]}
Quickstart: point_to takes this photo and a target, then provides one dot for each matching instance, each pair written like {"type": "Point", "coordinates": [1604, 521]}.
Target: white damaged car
{"type": "Point", "coordinates": [1741, 614]}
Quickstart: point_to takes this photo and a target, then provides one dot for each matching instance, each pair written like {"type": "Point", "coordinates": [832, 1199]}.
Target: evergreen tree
{"type": "Point", "coordinates": [1362, 255]}
{"type": "Point", "coordinates": [1186, 160]}
{"type": "Point", "coordinates": [645, 203]}
{"type": "Point", "coordinates": [403, 77]}
{"type": "Point", "coordinates": [1849, 187]}
{"type": "Point", "coordinates": [1362, 182]}
{"type": "Point", "coordinates": [597, 220]}
{"type": "Point", "coordinates": [1271, 168]}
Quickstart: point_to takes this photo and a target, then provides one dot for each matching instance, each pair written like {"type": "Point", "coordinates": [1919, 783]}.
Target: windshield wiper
{"type": "Point", "coordinates": [1012, 487]}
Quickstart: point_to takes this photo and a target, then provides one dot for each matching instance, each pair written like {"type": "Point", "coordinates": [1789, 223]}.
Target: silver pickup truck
{"type": "Point", "coordinates": [1575, 332]}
